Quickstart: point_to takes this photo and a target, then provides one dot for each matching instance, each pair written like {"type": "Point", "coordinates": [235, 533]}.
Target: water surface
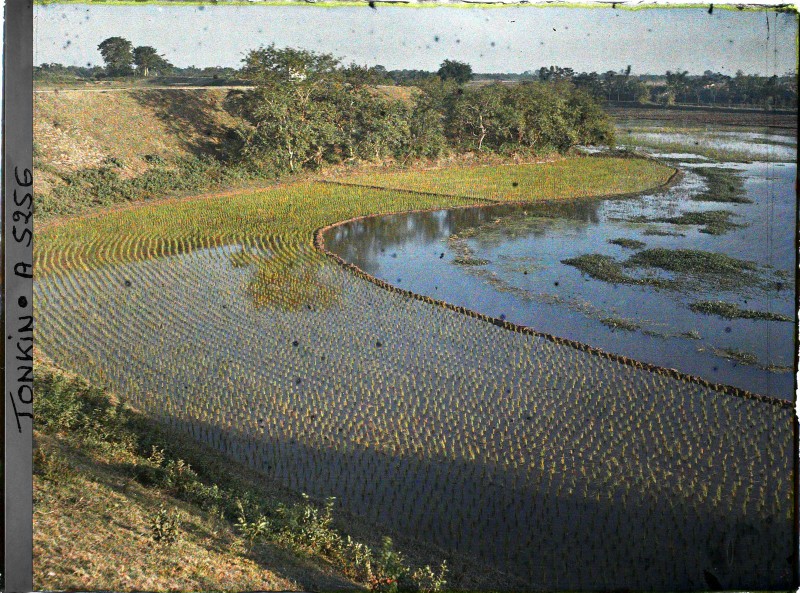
{"type": "Point", "coordinates": [506, 261]}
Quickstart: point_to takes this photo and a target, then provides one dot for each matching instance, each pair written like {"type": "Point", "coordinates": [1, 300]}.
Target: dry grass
{"type": "Point", "coordinates": [94, 533]}
{"type": "Point", "coordinates": [75, 130]}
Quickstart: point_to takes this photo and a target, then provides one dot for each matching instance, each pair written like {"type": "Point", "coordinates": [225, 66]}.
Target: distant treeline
{"type": "Point", "coordinates": [670, 88]}
{"type": "Point", "coordinates": [122, 59]}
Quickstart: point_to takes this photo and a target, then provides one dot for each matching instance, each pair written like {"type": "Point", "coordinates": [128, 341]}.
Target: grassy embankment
{"type": "Point", "coordinates": [97, 470]}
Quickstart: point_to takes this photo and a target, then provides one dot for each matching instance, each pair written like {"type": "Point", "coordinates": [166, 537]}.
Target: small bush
{"type": "Point", "coordinates": [254, 530]}
{"type": "Point", "coordinates": [164, 526]}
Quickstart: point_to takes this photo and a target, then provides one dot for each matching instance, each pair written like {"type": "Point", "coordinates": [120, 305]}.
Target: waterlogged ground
{"type": "Point", "coordinates": [534, 463]}
{"type": "Point", "coordinates": [548, 467]}
{"type": "Point", "coordinates": [720, 143]}
{"type": "Point", "coordinates": [517, 262]}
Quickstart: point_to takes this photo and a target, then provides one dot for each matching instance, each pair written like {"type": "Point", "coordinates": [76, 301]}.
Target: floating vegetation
{"type": "Point", "coordinates": [662, 233]}
{"type": "Point", "coordinates": [628, 243]}
{"type": "Point", "coordinates": [733, 311]}
{"type": "Point", "coordinates": [689, 269]}
{"type": "Point", "coordinates": [723, 185]}
{"type": "Point", "coordinates": [608, 269]}
{"type": "Point", "coordinates": [739, 356]}
{"type": "Point", "coordinates": [713, 222]}
{"type": "Point", "coordinates": [470, 261]}
{"type": "Point", "coordinates": [620, 323]}
{"type": "Point", "coordinates": [693, 261]}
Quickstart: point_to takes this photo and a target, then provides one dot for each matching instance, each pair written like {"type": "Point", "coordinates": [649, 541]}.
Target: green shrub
{"type": "Point", "coordinates": [164, 526]}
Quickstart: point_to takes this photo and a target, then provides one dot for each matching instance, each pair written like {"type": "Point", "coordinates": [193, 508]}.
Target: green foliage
{"type": "Point", "coordinates": [251, 530]}
{"type": "Point", "coordinates": [541, 117]}
{"type": "Point", "coordinates": [460, 72]}
{"type": "Point", "coordinates": [270, 65]}
{"type": "Point", "coordinates": [147, 60]}
{"type": "Point", "coordinates": [104, 186]}
{"type": "Point", "coordinates": [71, 407]}
{"type": "Point", "coordinates": [164, 526]}
{"type": "Point", "coordinates": [306, 110]}
{"type": "Point", "coordinates": [117, 54]}
{"type": "Point", "coordinates": [52, 466]}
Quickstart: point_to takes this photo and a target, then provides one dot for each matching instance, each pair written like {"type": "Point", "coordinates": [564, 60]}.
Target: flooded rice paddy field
{"type": "Point", "coordinates": [543, 465]}
{"type": "Point", "coordinates": [553, 466]}
{"type": "Point", "coordinates": [733, 223]}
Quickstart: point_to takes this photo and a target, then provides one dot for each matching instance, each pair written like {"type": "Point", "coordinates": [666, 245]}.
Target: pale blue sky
{"type": "Point", "coordinates": [511, 39]}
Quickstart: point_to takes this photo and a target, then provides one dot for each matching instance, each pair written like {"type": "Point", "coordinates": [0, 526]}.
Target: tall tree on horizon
{"type": "Point", "coordinates": [117, 54]}
{"type": "Point", "coordinates": [146, 58]}
{"type": "Point", "coordinates": [461, 72]}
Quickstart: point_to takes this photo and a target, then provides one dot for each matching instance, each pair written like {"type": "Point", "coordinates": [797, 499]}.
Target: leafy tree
{"type": "Point", "coordinates": [272, 65]}
{"type": "Point", "coordinates": [306, 109]}
{"type": "Point", "coordinates": [118, 56]}
{"type": "Point", "coordinates": [590, 82]}
{"type": "Point", "coordinates": [678, 83]}
{"type": "Point", "coordinates": [460, 72]}
{"type": "Point", "coordinates": [555, 74]}
{"type": "Point", "coordinates": [147, 59]}
{"type": "Point", "coordinates": [481, 116]}
{"type": "Point", "coordinates": [427, 119]}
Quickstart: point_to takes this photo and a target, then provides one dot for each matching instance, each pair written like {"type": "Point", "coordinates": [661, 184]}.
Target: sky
{"type": "Point", "coordinates": [509, 39]}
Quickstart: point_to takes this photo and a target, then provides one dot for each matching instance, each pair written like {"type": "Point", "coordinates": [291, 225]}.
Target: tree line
{"type": "Point", "coordinates": [675, 87]}
{"type": "Point", "coordinates": [304, 109]}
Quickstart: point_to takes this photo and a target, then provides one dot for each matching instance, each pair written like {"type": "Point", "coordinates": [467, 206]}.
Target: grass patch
{"type": "Point", "coordinates": [691, 261]}
{"type": "Point", "coordinates": [628, 243]}
{"type": "Point", "coordinates": [733, 311]}
{"type": "Point", "coordinates": [723, 185]}
{"type": "Point", "coordinates": [712, 222]}
{"type": "Point", "coordinates": [574, 177]}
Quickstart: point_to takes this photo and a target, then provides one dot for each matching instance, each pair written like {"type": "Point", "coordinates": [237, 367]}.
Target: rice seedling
{"type": "Point", "coordinates": [439, 425]}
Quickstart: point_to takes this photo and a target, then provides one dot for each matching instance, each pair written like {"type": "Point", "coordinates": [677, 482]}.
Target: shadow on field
{"type": "Point", "coordinates": [189, 115]}
{"type": "Point", "coordinates": [501, 531]}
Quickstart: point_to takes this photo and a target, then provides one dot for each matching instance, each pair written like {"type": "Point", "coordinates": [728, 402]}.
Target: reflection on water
{"type": "Point", "coordinates": [506, 261]}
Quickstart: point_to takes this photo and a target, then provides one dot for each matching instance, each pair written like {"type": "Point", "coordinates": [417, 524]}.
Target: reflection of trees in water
{"type": "Point", "coordinates": [364, 241]}
{"type": "Point", "coordinates": [533, 221]}
{"type": "Point", "coordinates": [288, 283]}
